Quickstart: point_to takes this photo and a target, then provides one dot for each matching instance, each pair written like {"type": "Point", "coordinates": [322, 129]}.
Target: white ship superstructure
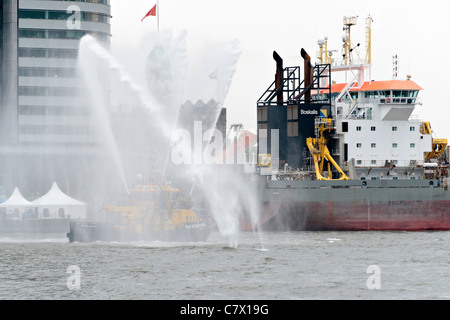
{"type": "Point", "coordinates": [378, 135]}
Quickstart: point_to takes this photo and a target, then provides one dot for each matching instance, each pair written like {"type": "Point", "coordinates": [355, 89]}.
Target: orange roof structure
{"type": "Point", "coordinates": [379, 86]}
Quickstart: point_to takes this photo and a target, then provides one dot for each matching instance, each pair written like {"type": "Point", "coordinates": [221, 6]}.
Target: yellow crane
{"type": "Point", "coordinates": [321, 154]}
{"type": "Point", "coordinates": [438, 145]}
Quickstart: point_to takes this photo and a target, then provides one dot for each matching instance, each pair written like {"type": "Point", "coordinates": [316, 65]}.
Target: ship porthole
{"type": "Point", "coordinates": [364, 183]}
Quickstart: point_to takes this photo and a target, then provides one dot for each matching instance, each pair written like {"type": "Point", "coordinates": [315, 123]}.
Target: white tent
{"type": "Point", "coordinates": [56, 204]}
{"type": "Point", "coordinates": [16, 205]}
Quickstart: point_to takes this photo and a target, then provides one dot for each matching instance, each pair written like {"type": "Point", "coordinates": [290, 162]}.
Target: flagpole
{"type": "Point", "coordinates": [157, 12]}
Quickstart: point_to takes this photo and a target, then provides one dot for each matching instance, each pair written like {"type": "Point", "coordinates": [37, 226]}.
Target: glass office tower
{"type": "Point", "coordinates": [44, 122]}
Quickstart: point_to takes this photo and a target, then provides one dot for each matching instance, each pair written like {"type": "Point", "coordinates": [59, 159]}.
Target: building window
{"type": "Point", "coordinates": [394, 145]}
{"type": "Point", "coordinates": [373, 129]}
{"type": "Point", "coordinates": [412, 145]}
{"type": "Point", "coordinates": [262, 114]}
{"type": "Point", "coordinates": [48, 53]}
{"type": "Point", "coordinates": [47, 72]}
{"type": "Point", "coordinates": [394, 128]}
{"type": "Point", "coordinates": [358, 128]}
{"type": "Point", "coordinates": [373, 145]}
{"type": "Point", "coordinates": [292, 129]}
{"type": "Point", "coordinates": [292, 112]}
{"type": "Point", "coordinates": [60, 34]}
{"type": "Point", "coordinates": [359, 145]}
{"type": "Point", "coordinates": [412, 129]}
{"type": "Point", "coordinates": [47, 91]}
{"type": "Point", "coordinates": [62, 15]}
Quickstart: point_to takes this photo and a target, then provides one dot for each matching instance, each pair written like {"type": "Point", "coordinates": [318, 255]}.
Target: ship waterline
{"type": "Point", "coordinates": [354, 206]}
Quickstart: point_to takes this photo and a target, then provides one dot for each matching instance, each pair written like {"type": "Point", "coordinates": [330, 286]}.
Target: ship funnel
{"type": "Point", "coordinates": [279, 77]}
{"type": "Point", "coordinates": [308, 72]}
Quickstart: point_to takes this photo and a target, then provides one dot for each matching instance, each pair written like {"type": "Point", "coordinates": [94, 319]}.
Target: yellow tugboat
{"type": "Point", "coordinates": [154, 212]}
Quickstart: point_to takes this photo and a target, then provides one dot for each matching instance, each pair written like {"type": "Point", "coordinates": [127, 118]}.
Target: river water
{"type": "Point", "coordinates": [267, 266]}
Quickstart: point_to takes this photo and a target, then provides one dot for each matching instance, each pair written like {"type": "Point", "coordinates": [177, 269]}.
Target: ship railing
{"type": "Point", "coordinates": [388, 163]}
{"type": "Point", "coordinates": [355, 117]}
{"type": "Point", "coordinates": [401, 100]}
{"type": "Point", "coordinates": [395, 100]}
{"type": "Point", "coordinates": [382, 100]}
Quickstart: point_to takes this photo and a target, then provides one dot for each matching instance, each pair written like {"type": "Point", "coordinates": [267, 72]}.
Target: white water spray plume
{"type": "Point", "coordinates": [170, 80]}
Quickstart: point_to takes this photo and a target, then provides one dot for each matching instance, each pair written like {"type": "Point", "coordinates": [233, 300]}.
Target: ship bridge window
{"type": "Point", "coordinates": [374, 94]}
{"type": "Point", "coordinates": [385, 96]}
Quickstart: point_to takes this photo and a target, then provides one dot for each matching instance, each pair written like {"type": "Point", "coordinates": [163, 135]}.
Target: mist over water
{"type": "Point", "coordinates": [172, 77]}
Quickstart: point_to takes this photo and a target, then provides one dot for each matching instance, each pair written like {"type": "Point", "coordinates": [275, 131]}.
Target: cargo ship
{"type": "Point", "coordinates": [156, 211]}
{"type": "Point", "coordinates": [348, 156]}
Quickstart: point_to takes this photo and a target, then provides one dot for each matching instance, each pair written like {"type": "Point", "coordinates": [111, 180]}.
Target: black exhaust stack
{"type": "Point", "coordinates": [308, 74]}
{"type": "Point", "coordinates": [279, 77]}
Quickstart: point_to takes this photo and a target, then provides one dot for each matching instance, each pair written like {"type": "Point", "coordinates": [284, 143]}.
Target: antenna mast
{"type": "Point", "coordinates": [369, 21]}
{"type": "Point", "coordinates": [348, 23]}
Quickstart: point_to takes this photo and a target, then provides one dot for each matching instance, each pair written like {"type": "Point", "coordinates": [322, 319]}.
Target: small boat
{"type": "Point", "coordinates": [154, 212]}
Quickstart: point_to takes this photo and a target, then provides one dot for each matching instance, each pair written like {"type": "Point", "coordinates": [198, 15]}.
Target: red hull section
{"type": "Point", "coordinates": [349, 216]}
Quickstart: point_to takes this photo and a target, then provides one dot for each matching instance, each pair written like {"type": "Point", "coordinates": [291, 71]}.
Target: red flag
{"type": "Point", "coordinates": [152, 12]}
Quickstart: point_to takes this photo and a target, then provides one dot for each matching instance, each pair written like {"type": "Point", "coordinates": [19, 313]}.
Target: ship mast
{"type": "Point", "coordinates": [348, 50]}
{"type": "Point", "coordinates": [369, 21]}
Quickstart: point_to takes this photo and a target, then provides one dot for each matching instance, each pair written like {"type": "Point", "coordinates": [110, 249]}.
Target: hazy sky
{"type": "Point", "coordinates": [416, 30]}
